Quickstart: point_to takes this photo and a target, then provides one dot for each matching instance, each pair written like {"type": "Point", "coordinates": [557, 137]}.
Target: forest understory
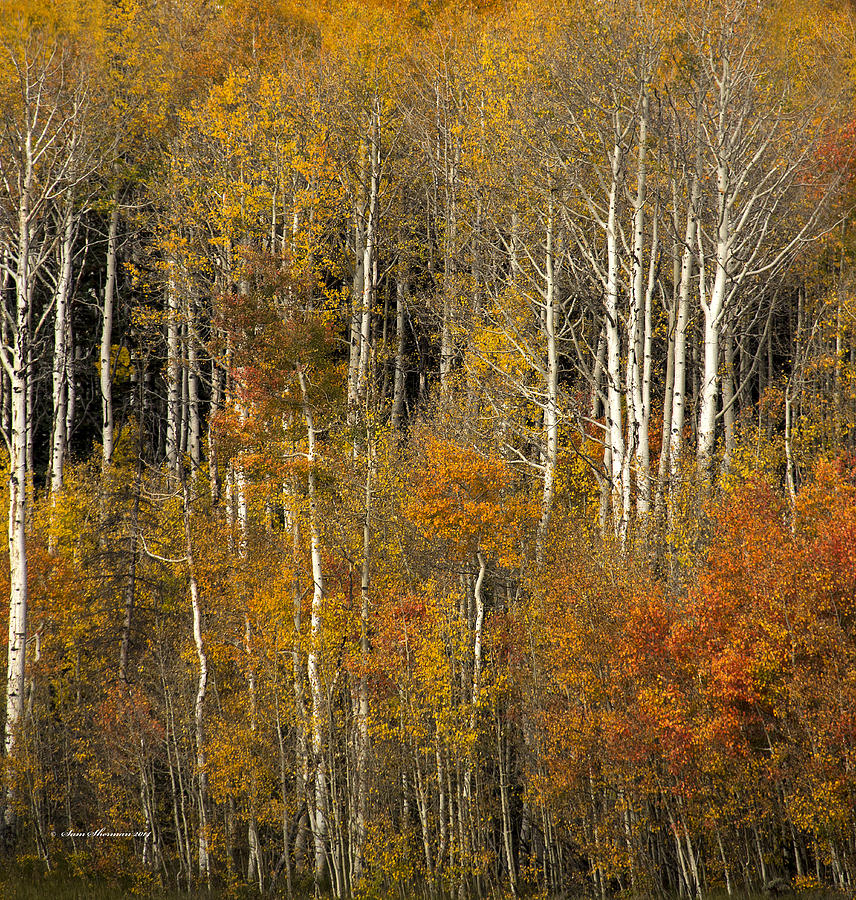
{"type": "Point", "coordinates": [429, 449]}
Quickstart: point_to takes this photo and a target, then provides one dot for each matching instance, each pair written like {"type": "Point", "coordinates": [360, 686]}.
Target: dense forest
{"type": "Point", "coordinates": [430, 446]}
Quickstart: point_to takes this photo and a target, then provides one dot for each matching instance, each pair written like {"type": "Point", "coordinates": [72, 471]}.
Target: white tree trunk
{"type": "Point", "coordinates": [173, 371]}
{"type": "Point", "coordinates": [478, 628]}
{"type": "Point", "coordinates": [194, 425]}
{"type": "Point", "coordinates": [213, 455]}
{"type": "Point", "coordinates": [638, 327]}
{"type": "Point", "coordinates": [15, 361]}
{"type": "Point", "coordinates": [59, 444]}
{"type": "Point", "coordinates": [356, 300]}
{"type": "Point", "coordinates": [681, 322]}
{"type": "Point", "coordinates": [316, 687]}
{"type": "Point", "coordinates": [551, 396]}
{"type": "Point", "coordinates": [107, 428]}
{"type": "Point", "coordinates": [729, 415]}
{"type": "Point", "coordinates": [70, 381]}
{"type": "Point", "coordinates": [399, 383]}
{"type": "Point", "coordinates": [368, 267]}
{"type": "Point", "coordinates": [201, 690]}
{"type": "Point", "coordinates": [713, 308]}
{"type": "Point", "coordinates": [615, 416]}
{"type": "Point", "coordinates": [15, 672]}
{"type": "Point", "coordinates": [362, 689]}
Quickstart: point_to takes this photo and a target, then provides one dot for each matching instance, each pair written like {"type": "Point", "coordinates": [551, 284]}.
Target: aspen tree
{"type": "Point", "coordinates": [106, 358]}
{"type": "Point", "coordinates": [46, 93]}
{"type": "Point", "coordinates": [607, 124]}
{"type": "Point", "coordinates": [677, 400]}
{"type": "Point", "coordinates": [753, 147]}
{"type": "Point", "coordinates": [204, 858]}
{"type": "Point", "coordinates": [59, 445]}
{"type": "Point", "coordinates": [321, 801]}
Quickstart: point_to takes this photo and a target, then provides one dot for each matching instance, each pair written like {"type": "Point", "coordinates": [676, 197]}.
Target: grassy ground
{"type": "Point", "coordinates": [36, 885]}
{"type": "Point", "coordinates": [31, 883]}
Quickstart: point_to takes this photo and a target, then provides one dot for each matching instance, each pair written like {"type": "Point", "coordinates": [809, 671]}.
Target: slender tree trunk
{"type": "Point", "coordinates": [16, 361]}
{"type": "Point", "coordinates": [302, 726]}
{"type": "Point", "coordinates": [107, 342]}
{"type": "Point", "coordinates": [201, 690]}
{"type": "Point", "coordinates": [399, 382]}
{"type": "Point", "coordinates": [615, 415]}
{"type": "Point", "coordinates": [668, 390]}
{"type": "Point", "coordinates": [60, 361]}
{"type": "Point", "coordinates": [636, 324]}
{"type": "Point", "coordinates": [319, 707]}
{"type": "Point", "coordinates": [447, 344]}
{"type": "Point", "coordinates": [728, 398]}
{"type": "Point", "coordinates": [505, 806]}
{"type": "Point", "coordinates": [551, 398]}
{"type": "Point", "coordinates": [681, 322]}
{"type": "Point", "coordinates": [255, 871]}
{"type": "Point", "coordinates": [442, 804]}
{"type": "Point", "coordinates": [214, 475]}
{"type": "Point", "coordinates": [357, 295]}
{"type": "Point", "coordinates": [369, 254]}
{"type": "Point", "coordinates": [713, 308]}
{"type": "Point", "coordinates": [174, 371]}
{"type": "Point", "coordinates": [362, 691]}
{"type": "Point", "coordinates": [131, 585]}
{"type": "Point", "coordinates": [194, 424]}
{"type": "Point", "coordinates": [478, 627]}
{"type": "Point", "coordinates": [70, 381]}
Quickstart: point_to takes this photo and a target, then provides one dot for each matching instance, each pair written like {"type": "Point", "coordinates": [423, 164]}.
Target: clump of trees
{"type": "Point", "coordinates": [430, 435]}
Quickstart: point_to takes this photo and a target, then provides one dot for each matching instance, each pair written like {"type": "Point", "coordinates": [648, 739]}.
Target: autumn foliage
{"type": "Point", "coordinates": [431, 431]}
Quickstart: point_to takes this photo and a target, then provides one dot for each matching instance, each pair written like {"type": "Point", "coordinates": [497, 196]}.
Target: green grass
{"type": "Point", "coordinates": [28, 882]}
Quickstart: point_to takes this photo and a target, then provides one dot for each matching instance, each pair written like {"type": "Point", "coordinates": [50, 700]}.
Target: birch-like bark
{"type": "Point", "coordinates": [173, 373]}
{"type": "Point", "coordinates": [185, 398]}
{"type": "Point", "coordinates": [399, 382]}
{"type": "Point", "coordinates": [214, 476]}
{"type": "Point", "coordinates": [663, 465]}
{"type": "Point", "coordinates": [790, 477]}
{"type": "Point", "coordinates": [505, 805]}
{"type": "Point", "coordinates": [16, 367]}
{"type": "Point", "coordinates": [643, 450]}
{"type": "Point", "coordinates": [638, 327]}
{"type": "Point", "coordinates": [194, 423]}
{"type": "Point", "coordinates": [450, 237]}
{"type": "Point", "coordinates": [201, 690]}
{"type": "Point", "coordinates": [106, 375]}
{"type": "Point", "coordinates": [302, 729]}
{"type": "Point", "coordinates": [41, 131]}
{"type": "Point", "coordinates": [15, 361]}
{"type": "Point", "coordinates": [5, 340]}
{"type": "Point", "coordinates": [369, 260]}
{"type": "Point", "coordinates": [30, 394]}
{"type": "Point", "coordinates": [313, 661]}
{"type": "Point", "coordinates": [551, 395]}
{"type": "Point", "coordinates": [255, 872]}
{"type": "Point", "coordinates": [756, 148]}
{"type": "Point", "coordinates": [478, 627]}
{"type": "Point", "coordinates": [615, 415]}
{"type": "Point", "coordinates": [357, 293]}
{"type": "Point", "coordinates": [59, 444]}
{"type": "Point", "coordinates": [713, 308]}
{"type": "Point", "coordinates": [70, 381]}
{"type": "Point", "coordinates": [363, 692]}
{"type": "Point", "coordinates": [681, 322]}
{"type": "Point", "coordinates": [728, 397]}
{"type": "Point", "coordinates": [442, 804]}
